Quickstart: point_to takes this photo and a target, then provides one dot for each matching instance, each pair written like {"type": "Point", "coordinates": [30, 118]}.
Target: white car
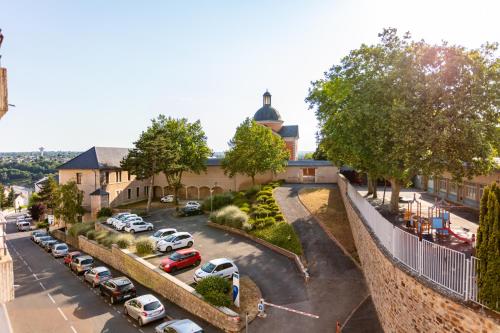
{"type": "Point", "coordinates": [193, 204]}
{"type": "Point", "coordinates": [121, 218]}
{"type": "Point", "coordinates": [137, 226]}
{"type": "Point", "coordinates": [175, 241]}
{"type": "Point", "coordinates": [145, 309]}
{"type": "Point", "coordinates": [217, 267]}
{"type": "Point", "coordinates": [120, 225]}
{"type": "Point", "coordinates": [167, 198]}
{"type": "Point", "coordinates": [110, 220]}
{"type": "Point", "coordinates": [178, 326]}
{"type": "Point", "coordinates": [60, 250]}
{"type": "Point", "coordinates": [97, 275]}
{"type": "Point", "coordinates": [161, 234]}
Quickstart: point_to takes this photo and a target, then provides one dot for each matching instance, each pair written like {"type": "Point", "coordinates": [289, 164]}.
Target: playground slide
{"type": "Point", "coordinates": [461, 238]}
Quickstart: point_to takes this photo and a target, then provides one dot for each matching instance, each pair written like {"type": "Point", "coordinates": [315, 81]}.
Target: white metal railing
{"type": "Point", "coordinates": [445, 267]}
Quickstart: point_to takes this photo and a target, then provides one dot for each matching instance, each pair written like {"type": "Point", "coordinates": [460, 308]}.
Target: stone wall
{"type": "Point", "coordinates": [164, 284]}
{"type": "Point", "coordinates": [6, 278]}
{"type": "Point", "coordinates": [406, 303]}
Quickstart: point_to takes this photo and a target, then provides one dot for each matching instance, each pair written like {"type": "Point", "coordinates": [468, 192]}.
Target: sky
{"type": "Point", "coordinates": [94, 73]}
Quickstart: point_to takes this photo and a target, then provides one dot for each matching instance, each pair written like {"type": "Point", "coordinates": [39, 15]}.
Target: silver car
{"type": "Point", "coordinates": [59, 250]}
{"type": "Point", "coordinates": [81, 264]}
{"type": "Point", "coordinates": [144, 309]}
{"type": "Point", "coordinates": [178, 326]}
{"type": "Point", "coordinates": [42, 237]}
{"type": "Point", "coordinates": [97, 275]}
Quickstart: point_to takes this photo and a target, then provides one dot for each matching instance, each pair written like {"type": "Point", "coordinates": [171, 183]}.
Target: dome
{"type": "Point", "coordinates": [267, 113]}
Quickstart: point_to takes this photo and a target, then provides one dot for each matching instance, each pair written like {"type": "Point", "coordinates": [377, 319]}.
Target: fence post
{"type": "Point", "coordinates": [393, 242]}
{"type": "Point", "coordinates": [420, 257]}
{"type": "Point", "coordinates": [467, 276]}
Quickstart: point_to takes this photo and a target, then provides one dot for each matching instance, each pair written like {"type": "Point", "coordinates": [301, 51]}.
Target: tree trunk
{"type": "Point", "coordinates": [374, 187]}
{"type": "Point", "coordinates": [253, 180]}
{"type": "Point", "coordinates": [395, 189]}
{"type": "Point", "coordinates": [370, 186]}
{"type": "Point", "coordinates": [150, 193]}
{"type": "Point", "coordinates": [425, 183]}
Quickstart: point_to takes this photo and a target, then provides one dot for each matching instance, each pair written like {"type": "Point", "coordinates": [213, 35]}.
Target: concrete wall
{"type": "Point", "coordinates": [6, 278]}
{"type": "Point", "coordinates": [406, 303]}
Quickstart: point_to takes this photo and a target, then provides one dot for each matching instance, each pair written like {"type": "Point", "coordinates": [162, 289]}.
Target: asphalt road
{"type": "Point", "coordinates": [50, 298]}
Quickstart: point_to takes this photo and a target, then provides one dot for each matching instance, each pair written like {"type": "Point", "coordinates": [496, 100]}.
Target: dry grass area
{"type": "Point", "coordinates": [327, 206]}
{"type": "Point", "coordinates": [249, 297]}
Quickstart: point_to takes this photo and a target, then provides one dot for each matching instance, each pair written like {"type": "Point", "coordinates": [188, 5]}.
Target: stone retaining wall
{"type": "Point", "coordinates": [403, 302]}
{"type": "Point", "coordinates": [6, 278]}
{"type": "Point", "coordinates": [169, 287]}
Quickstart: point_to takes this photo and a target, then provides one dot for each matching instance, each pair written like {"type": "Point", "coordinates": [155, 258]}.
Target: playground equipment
{"type": "Point", "coordinates": [440, 218]}
{"type": "Point", "coordinates": [415, 220]}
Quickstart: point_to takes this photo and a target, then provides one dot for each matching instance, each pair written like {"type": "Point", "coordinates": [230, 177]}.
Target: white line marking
{"type": "Point", "coordinates": [50, 296]}
{"type": "Point", "coordinates": [36, 278]}
{"type": "Point", "coordinates": [41, 285]}
{"type": "Point", "coordinates": [135, 325]}
{"type": "Point", "coordinates": [140, 330]}
{"type": "Point", "coordinates": [29, 268]}
{"type": "Point", "coordinates": [129, 320]}
{"type": "Point", "coordinates": [73, 329]}
{"type": "Point", "coordinates": [118, 311]}
{"type": "Point", "coordinates": [8, 319]}
{"type": "Point", "coordinates": [62, 313]}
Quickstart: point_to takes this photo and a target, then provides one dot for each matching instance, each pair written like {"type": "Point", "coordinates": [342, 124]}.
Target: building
{"type": "Point", "coordinates": [39, 183]}
{"type": "Point", "coordinates": [270, 117]}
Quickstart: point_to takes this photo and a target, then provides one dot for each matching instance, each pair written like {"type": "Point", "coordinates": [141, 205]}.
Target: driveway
{"type": "Point", "coordinates": [337, 286]}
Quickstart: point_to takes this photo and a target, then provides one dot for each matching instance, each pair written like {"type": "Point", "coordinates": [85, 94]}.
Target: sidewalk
{"type": "Point", "coordinates": [5, 320]}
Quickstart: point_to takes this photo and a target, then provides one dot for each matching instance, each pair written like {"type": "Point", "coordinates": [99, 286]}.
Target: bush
{"type": "Point", "coordinates": [261, 212]}
{"type": "Point", "coordinates": [104, 212]}
{"type": "Point", "coordinates": [218, 201]}
{"type": "Point", "coordinates": [252, 191]}
{"type": "Point", "coordinates": [37, 210]}
{"type": "Point", "coordinates": [100, 235]}
{"type": "Point", "coordinates": [124, 241]}
{"type": "Point", "coordinates": [262, 198]}
{"type": "Point", "coordinates": [42, 225]}
{"type": "Point", "coordinates": [279, 217]}
{"type": "Point", "coordinates": [91, 234]}
{"type": "Point", "coordinates": [231, 216]}
{"type": "Point", "coordinates": [215, 290]}
{"type": "Point", "coordinates": [144, 246]}
{"type": "Point", "coordinates": [109, 240]}
{"type": "Point", "coordinates": [80, 228]}
{"type": "Point", "coordinates": [280, 234]}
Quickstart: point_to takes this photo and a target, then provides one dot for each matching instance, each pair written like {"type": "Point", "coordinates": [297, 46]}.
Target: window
{"type": "Point", "coordinates": [78, 177]}
{"type": "Point", "coordinates": [107, 177]}
{"type": "Point", "coordinates": [118, 176]}
{"type": "Point", "coordinates": [453, 188]}
{"type": "Point", "coordinates": [442, 185]}
{"type": "Point", "coordinates": [146, 190]}
{"type": "Point", "coordinates": [137, 192]}
{"type": "Point", "coordinates": [129, 193]}
{"type": "Point", "coordinates": [128, 175]}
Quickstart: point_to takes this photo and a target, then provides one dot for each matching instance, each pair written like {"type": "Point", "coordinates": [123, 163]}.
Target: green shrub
{"type": "Point", "coordinates": [144, 246]}
{"type": "Point", "coordinates": [215, 290]}
{"type": "Point", "coordinates": [124, 241]}
{"type": "Point", "coordinates": [279, 217]}
{"type": "Point", "coordinates": [267, 188]}
{"type": "Point", "coordinates": [280, 234]}
{"type": "Point", "coordinates": [218, 201]}
{"type": "Point", "coordinates": [252, 191]}
{"type": "Point", "coordinates": [80, 228]}
{"type": "Point", "coordinates": [268, 192]}
{"type": "Point", "coordinates": [261, 212]}
{"type": "Point", "coordinates": [247, 226]}
{"type": "Point", "coordinates": [231, 216]}
{"type": "Point", "coordinates": [262, 198]}
{"type": "Point", "coordinates": [109, 239]}
{"type": "Point", "coordinates": [264, 222]}
{"type": "Point", "coordinates": [90, 234]}
{"type": "Point", "coordinates": [245, 209]}
{"type": "Point", "coordinates": [100, 235]}
{"type": "Point", "coordinates": [42, 225]}
{"type": "Point", "coordinates": [104, 212]}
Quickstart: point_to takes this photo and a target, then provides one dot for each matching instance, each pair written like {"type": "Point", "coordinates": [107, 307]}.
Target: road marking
{"type": "Point", "coordinates": [73, 329]}
{"type": "Point", "coordinates": [36, 278]}
{"type": "Point", "coordinates": [140, 330]}
{"type": "Point", "coordinates": [62, 313]}
{"type": "Point", "coordinates": [118, 311]}
{"type": "Point", "coordinates": [50, 296]}
{"type": "Point", "coordinates": [135, 325]}
{"type": "Point", "coordinates": [41, 285]}
{"type": "Point", "coordinates": [29, 268]}
{"type": "Point", "coordinates": [129, 320]}
{"type": "Point", "coordinates": [8, 318]}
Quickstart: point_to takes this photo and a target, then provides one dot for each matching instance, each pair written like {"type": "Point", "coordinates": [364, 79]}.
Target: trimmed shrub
{"type": "Point", "coordinates": [124, 241]}
{"type": "Point", "coordinates": [215, 290]}
{"type": "Point", "coordinates": [90, 234]}
{"type": "Point", "coordinates": [261, 212]}
{"type": "Point", "coordinates": [279, 217]}
{"type": "Point", "coordinates": [218, 201]}
{"type": "Point", "coordinates": [262, 198]}
{"type": "Point", "coordinates": [280, 234]}
{"type": "Point", "coordinates": [104, 212]}
{"type": "Point", "coordinates": [144, 246]}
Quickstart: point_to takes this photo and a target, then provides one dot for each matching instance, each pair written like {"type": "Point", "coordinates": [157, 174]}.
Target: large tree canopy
{"type": "Point", "coordinates": [401, 108]}
{"type": "Point", "coordinates": [253, 150]}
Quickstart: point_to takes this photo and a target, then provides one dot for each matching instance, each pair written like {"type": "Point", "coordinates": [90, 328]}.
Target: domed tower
{"type": "Point", "coordinates": [270, 117]}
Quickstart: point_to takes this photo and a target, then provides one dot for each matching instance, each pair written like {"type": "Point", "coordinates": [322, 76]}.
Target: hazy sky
{"type": "Point", "coordinates": [93, 73]}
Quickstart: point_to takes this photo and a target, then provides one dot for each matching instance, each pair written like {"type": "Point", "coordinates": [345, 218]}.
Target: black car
{"type": "Point", "coordinates": [118, 289]}
{"type": "Point", "coordinates": [189, 211]}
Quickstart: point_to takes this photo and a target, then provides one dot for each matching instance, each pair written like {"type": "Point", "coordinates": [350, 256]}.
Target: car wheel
{"type": "Point", "coordinates": [149, 229]}
{"type": "Point", "coordinates": [111, 300]}
{"type": "Point", "coordinates": [173, 269]}
{"type": "Point", "coordinates": [190, 244]}
{"type": "Point", "coordinates": [168, 249]}
{"type": "Point", "coordinates": [132, 231]}
{"type": "Point", "coordinates": [94, 285]}
{"type": "Point", "coordinates": [125, 312]}
{"type": "Point", "coordinates": [197, 262]}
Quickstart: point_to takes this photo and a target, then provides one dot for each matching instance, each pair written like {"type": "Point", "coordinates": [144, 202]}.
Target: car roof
{"type": "Point", "coordinates": [63, 244]}
{"type": "Point", "coordinates": [179, 233]}
{"type": "Point", "coordinates": [100, 269]}
{"type": "Point", "coordinates": [219, 261]}
{"type": "Point", "coordinates": [185, 251]}
{"type": "Point", "coordinates": [183, 325]}
{"type": "Point", "coordinates": [166, 229]}
{"type": "Point", "coordinates": [85, 257]}
{"type": "Point", "coordinates": [121, 280]}
{"type": "Point", "coordinates": [74, 253]}
{"type": "Point", "coordinates": [145, 299]}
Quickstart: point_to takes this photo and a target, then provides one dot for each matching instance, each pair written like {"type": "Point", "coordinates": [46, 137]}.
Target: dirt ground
{"type": "Point", "coordinates": [327, 206]}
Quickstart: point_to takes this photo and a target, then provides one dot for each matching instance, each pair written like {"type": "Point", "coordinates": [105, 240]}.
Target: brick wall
{"type": "Point", "coordinates": [404, 303]}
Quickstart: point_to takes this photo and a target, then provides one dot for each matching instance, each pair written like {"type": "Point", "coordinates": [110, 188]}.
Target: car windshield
{"type": "Point", "coordinates": [157, 234]}
{"type": "Point", "coordinates": [169, 238]}
{"type": "Point", "coordinates": [104, 273]}
{"type": "Point", "coordinates": [152, 306]}
{"type": "Point", "coordinates": [62, 247]}
{"type": "Point", "coordinates": [87, 262]}
{"type": "Point", "coordinates": [125, 287]}
{"type": "Point", "coordinates": [176, 256]}
{"type": "Point", "coordinates": [208, 267]}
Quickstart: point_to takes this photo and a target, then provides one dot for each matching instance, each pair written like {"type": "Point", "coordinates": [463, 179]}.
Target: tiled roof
{"type": "Point", "coordinates": [97, 158]}
{"type": "Point", "coordinates": [289, 131]}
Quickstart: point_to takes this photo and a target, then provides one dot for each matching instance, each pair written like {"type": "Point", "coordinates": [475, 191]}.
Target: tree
{"type": "Point", "coordinates": [11, 197]}
{"type": "Point", "coordinates": [49, 193]}
{"type": "Point", "coordinates": [148, 156]}
{"type": "Point", "coordinates": [488, 247]}
{"type": "Point", "coordinates": [3, 198]}
{"type": "Point", "coordinates": [70, 202]}
{"type": "Point", "coordinates": [253, 150]}
{"type": "Point", "coordinates": [37, 210]}
{"type": "Point", "coordinates": [308, 156]}
{"type": "Point", "coordinates": [320, 153]}
{"type": "Point", "coordinates": [34, 199]}
{"type": "Point", "coordinates": [401, 108]}
{"type": "Point", "coordinates": [187, 150]}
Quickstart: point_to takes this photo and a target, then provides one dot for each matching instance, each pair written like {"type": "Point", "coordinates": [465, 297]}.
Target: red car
{"type": "Point", "coordinates": [70, 256]}
{"type": "Point", "coordinates": [180, 259]}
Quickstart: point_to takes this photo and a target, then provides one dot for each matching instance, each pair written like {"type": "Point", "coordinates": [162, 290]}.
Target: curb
{"type": "Point", "coordinates": [302, 269]}
{"type": "Point", "coordinates": [329, 234]}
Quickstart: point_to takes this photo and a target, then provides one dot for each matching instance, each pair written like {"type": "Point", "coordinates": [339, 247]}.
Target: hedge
{"type": "Point", "coordinates": [215, 290]}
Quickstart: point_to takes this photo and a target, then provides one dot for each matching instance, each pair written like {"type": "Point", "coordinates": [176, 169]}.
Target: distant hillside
{"type": "Point", "coordinates": [25, 168]}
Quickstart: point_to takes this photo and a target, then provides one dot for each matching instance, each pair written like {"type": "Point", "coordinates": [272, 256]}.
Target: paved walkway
{"type": "Point", "coordinates": [337, 285]}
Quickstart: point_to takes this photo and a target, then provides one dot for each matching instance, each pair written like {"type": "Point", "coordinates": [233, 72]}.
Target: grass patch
{"type": "Point", "coordinates": [144, 246]}
{"type": "Point", "coordinates": [327, 206]}
{"type": "Point", "coordinates": [280, 234]}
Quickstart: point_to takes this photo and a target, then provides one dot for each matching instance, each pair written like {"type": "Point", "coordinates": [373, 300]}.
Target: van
{"type": "Point", "coordinates": [23, 226]}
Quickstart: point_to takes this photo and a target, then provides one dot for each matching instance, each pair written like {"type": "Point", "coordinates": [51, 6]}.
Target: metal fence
{"type": "Point", "coordinates": [443, 266]}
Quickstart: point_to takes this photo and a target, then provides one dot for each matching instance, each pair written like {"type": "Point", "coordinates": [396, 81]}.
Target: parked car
{"type": "Point", "coordinates": [167, 198]}
{"type": "Point", "coordinates": [217, 267]}
{"type": "Point", "coordinates": [181, 259]}
{"type": "Point", "coordinates": [120, 225]}
{"type": "Point", "coordinates": [68, 259]}
{"type": "Point", "coordinates": [59, 250]}
{"type": "Point", "coordinates": [178, 326]}
{"type": "Point", "coordinates": [144, 309]}
{"type": "Point", "coordinates": [43, 239]}
{"type": "Point", "coordinates": [109, 220]}
{"type": "Point", "coordinates": [190, 210]}
{"type": "Point", "coordinates": [193, 204]}
{"type": "Point", "coordinates": [47, 245]}
{"type": "Point", "coordinates": [97, 275]}
{"type": "Point", "coordinates": [175, 241]}
{"type": "Point", "coordinates": [24, 226]}
{"type": "Point", "coordinates": [162, 233]}
{"type": "Point", "coordinates": [117, 289]}
{"type": "Point", "coordinates": [37, 233]}
{"type": "Point", "coordinates": [81, 264]}
{"type": "Point", "coordinates": [123, 217]}
{"type": "Point", "coordinates": [138, 226]}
